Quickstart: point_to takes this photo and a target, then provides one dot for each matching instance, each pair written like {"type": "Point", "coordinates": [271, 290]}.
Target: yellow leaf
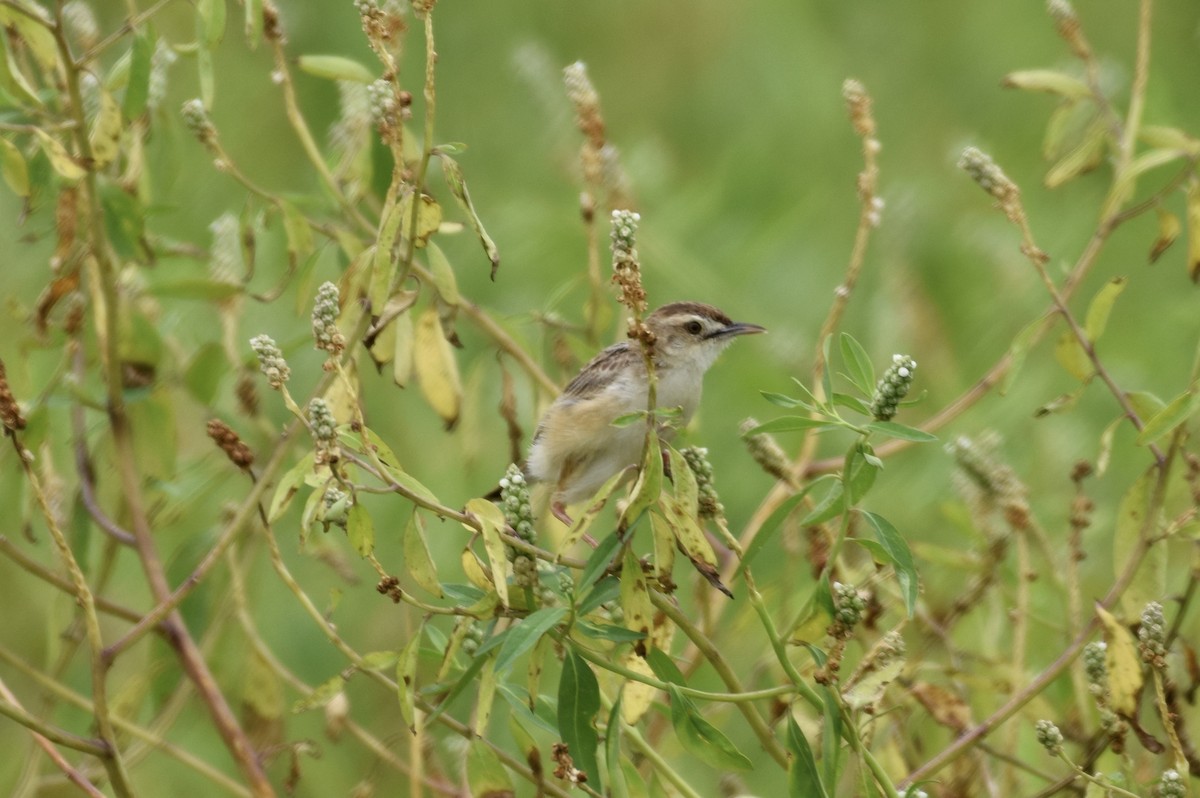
{"type": "Point", "coordinates": [1168, 230]}
{"type": "Point", "coordinates": [1049, 81]}
{"type": "Point", "coordinates": [635, 599]}
{"type": "Point", "coordinates": [1193, 230]}
{"type": "Point", "coordinates": [1085, 156]}
{"type": "Point", "coordinates": [473, 569]}
{"type": "Point", "coordinates": [636, 697]}
{"type": "Point", "coordinates": [429, 217]}
{"type": "Point", "coordinates": [60, 159]}
{"type": "Point", "coordinates": [1124, 667]}
{"type": "Point", "coordinates": [1070, 355]}
{"type": "Point", "coordinates": [492, 520]}
{"type": "Point", "coordinates": [105, 137]}
{"type": "Point", "coordinates": [402, 353]}
{"type": "Point", "coordinates": [443, 274]}
{"type": "Point", "coordinates": [436, 368]}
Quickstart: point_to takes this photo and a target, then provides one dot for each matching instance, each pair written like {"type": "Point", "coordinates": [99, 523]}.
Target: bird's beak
{"type": "Point", "coordinates": [737, 328]}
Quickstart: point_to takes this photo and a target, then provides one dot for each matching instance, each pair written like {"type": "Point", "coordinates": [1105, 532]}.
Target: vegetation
{"type": "Point", "coordinates": [272, 336]}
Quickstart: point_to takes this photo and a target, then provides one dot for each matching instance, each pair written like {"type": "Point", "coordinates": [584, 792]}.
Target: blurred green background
{"type": "Point", "coordinates": [733, 133]}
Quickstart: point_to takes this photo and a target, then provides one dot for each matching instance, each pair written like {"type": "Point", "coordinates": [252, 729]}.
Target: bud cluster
{"type": "Point", "coordinates": [709, 504]}
{"type": "Point", "coordinates": [1152, 636]}
{"type": "Point", "coordinates": [1049, 737]}
{"type": "Point", "coordinates": [235, 449]}
{"type": "Point", "coordinates": [627, 272]}
{"type": "Point", "coordinates": [848, 606]}
{"type": "Point", "coordinates": [583, 96]}
{"type": "Point", "coordinates": [270, 360]}
{"type": "Point", "coordinates": [324, 429]}
{"type": "Point", "coordinates": [991, 178]}
{"type": "Point", "coordinates": [765, 450]}
{"type": "Point", "coordinates": [893, 387]}
{"type": "Point", "coordinates": [195, 116]}
{"type": "Point", "coordinates": [324, 320]}
{"type": "Point", "coordinates": [518, 513]}
{"type": "Point", "coordinates": [472, 639]}
{"type": "Point", "coordinates": [1171, 785]}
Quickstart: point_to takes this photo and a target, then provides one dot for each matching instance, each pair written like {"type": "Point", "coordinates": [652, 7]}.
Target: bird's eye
{"type": "Point", "coordinates": [693, 327]}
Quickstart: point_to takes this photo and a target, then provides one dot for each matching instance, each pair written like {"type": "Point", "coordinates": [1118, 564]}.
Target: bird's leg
{"type": "Point", "coordinates": [559, 511]}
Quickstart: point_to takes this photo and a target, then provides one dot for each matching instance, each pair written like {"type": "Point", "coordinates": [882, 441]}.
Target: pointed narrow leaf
{"type": "Point", "coordinates": [1169, 228]}
{"type": "Point", "coordinates": [648, 486]}
{"type": "Point", "coordinates": [1177, 411]}
{"type": "Point", "coordinates": [458, 186]}
{"type": "Point", "coordinates": [901, 431]}
{"type": "Point", "coordinates": [1134, 522]}
{"type": "Point", "coordinates": [1017, 353]}
{"type": "Point", "coordinates": [60, 159]}
{"type": "Point", "coordinates": [701, 738]}
{"type": "Point", "coordinates": [635, 597]}
{"type": "Point", "coordinates": [617, 787]}
{"type": "Point", "coordinates": [1193, 231]}
{"type": "Point", "coordinates": [527, 633]}
{"type": "Point", "coordinates": [288, 484]}
{"type": "Point", "coordinates": [776, 519]}
{"type": "Point", "coordinates": [784, 401]}
{"type": "Point", "coordinates": [443, 274]}
{"type": "Point", "coordinates": [595, 504]}
{"type": "Point", "coordinates": [804, 781]}
{"type": "Point", "coordinates": [897, 548]}
{"type": "Point", "coordinates": [1071, 356]}
{"type": "Point", "coordinates": [1067, 86]}
{"type": "Point", "coordinates": [437, 368]}
{"type": "Point", "coordinates": [792, 424]}
{"type": "Point", "coordinates": [14, 168]}
{"type": "Point", "coordinates": [858, 364]}
{"type": "Point", "coordinates": [578, 703]}
{"type": "Point", "coordinates": [105, 136]}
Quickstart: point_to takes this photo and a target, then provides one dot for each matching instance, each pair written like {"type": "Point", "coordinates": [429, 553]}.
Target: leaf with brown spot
{"type": "Point", "coordinates": [1124, 666]}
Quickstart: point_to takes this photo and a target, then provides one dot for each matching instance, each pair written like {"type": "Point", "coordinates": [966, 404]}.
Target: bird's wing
{"type": "Point", "coordinates": [598, 373]}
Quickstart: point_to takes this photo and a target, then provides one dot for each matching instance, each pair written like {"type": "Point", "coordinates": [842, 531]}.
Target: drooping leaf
{"type": "Point", "coordinates": [492, 520]}
{"type": "Point", "coordinates": [1169, 228]}
{"type": "Point", "coordinates": [59, 158]}
{"type": "Point", "coordinates": [902, 560]}
{"type": "Point", "coordinates": [458, 187]}
{"type": "Point", "coordinates": [437, 368]}
{"type": "Point", "coordinates": [1084, 156]}
{"type": "Point", "coordinates": [105, 136]}
{"type": "Point", "coordinates": [701, 738]}
{"type": "Point", "coordinates": [14, 168]}
{"type": "Point", "coordinates": [648, 486]}
{"type": "Point", "coordinates": [210, 22]}
{"type": "Point", "coordinates": [1069, 353]}
{"type": "Point", "coordinates": [406, 680]}
{"type": "Point", "coordinates": [1124, 666]}
{"type": "Point", "coordinates": [595, 505]}
{"type": "Point", "coordinates": [635, 596]}
{"type": "Point", "coordinates": [578, 703]}
{"type": "Point", "coordinates": [1126, 180]}
{"type": "Point", "coordinates": [286, 488]}
{"type": "Point", "coordinates": [1193, 230]}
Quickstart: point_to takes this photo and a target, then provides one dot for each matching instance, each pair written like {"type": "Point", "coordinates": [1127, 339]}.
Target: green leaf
{"type": "Point", "coordinates": [792, 424]}
{"type": "Point", "coordinates": [417, 560]}
{"type": "Point", "coordinates": [596, 564]}
{"type": "Point", "coordinates": [851, 403]}
{"type": "Point", "coordinates": [1083, 157]}
{"type": "Point", "coordinates": [578, 703]}
{"type": "Point", "coordinates": [902, 560]}
{"type": "Point", "coordinates": [701, 738]}
{"type": "Point", "coordinates": [858, 473]}
{"type": "Point", "coordinates": [1126, 180]}
{"type": "Point", "coordinates": [816, 614]}
{"type": "Point", "coordinates": [360, 529]}
{"type": "Point", "coordinates": [606, 631]}
{"type": "Point", "coordinates": [336, 67]}
{"type": "Point", "coordinates": [12, 81]}
{"type": "Point", "coordinates": [458, 186]}
{"type": "Point", "coordinates": [486, 774]}
{"type": "Point", "coordinates": [526, 634]}
{"type": "Point", "coordinates": [287, 486]}
{"type": "Point", "coordinates": [829, 506]}
{"type": "Point", "coordinates": [664, 667]}
{"type": "Point", "coordinates": [1177, 411]}
{"type": "Point", "coordinates": [1069, 353]}
{"type": "Point", "coordinates": [831, 737]}
{"type": "Point", "coordinates": [803, 779]}
{"type": "Point", "coordinates": [901, 431]}
{"type": "Point", "coordinates": [858, 364]}
{"type": "Point", "coordinates": [617, 786]}
{"type": "Point", "coordinates": [210, 16]}
{"type": "Point", "coordinates": [1100, 306]}
{"type": "Point", "coordinates": [784, 401]}
{"type": "Point", "coordinates": [253, 24]}
{"type": "Point", "coordinates": [137, 90]}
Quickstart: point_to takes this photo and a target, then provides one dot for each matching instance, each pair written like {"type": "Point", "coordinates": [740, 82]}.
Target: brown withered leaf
{"type": "Point", "coordinates": [946, 708]}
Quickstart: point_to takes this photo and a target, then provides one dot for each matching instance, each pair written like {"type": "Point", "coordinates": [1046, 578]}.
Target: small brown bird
{"type": "Point", "coordinates": [576, 448]}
